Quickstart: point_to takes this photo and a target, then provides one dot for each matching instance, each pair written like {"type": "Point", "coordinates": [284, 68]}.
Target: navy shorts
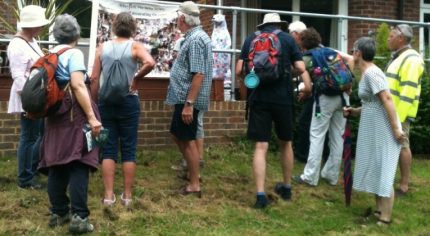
{"type": "Point", "coordinates": [181, 130]}
{"type": "Point", "coordinates": [261, 116]}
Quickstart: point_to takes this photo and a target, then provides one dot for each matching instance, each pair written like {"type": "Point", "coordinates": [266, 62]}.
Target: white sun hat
{"type": "Point", "coordinates": [32, 16]}
{"type": "Point", "coordinates": [297, 26]}
{"type": "Point", "coordinates": [273, 18]}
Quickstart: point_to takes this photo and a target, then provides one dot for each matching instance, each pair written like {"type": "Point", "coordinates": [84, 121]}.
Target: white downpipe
{"type": "Point", "coordinates": [342, 33]}
{"type": "Point", "coordinates": [93, 35]}
{"type": "Point", "coordinates": [296, 7]}
{"type": "Point", "coordinates": [219, 3]}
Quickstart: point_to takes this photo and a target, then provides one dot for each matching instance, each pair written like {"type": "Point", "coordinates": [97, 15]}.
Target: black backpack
{"type": "Point", "coordinates": [115, 87]}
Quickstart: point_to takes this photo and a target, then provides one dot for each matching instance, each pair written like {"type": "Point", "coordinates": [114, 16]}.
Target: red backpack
{"type": "Point", "coordinates": [264, 55]}
{"type": "Point", "coordinates": [41, 96]}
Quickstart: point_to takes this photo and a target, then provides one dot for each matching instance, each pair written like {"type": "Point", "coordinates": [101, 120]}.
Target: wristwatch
{"type": "Point", "coordinates": [189, 103]}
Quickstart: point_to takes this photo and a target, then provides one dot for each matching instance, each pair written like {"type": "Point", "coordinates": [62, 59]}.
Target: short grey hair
{"type": "Point", "coordinates": [405, 30]}
{"type": "Point", "coordinates": [191, 20]}
{"type": "Point", "coordinates": [367, 47]}
{"type": "Point", "coordinates": [66, 29]}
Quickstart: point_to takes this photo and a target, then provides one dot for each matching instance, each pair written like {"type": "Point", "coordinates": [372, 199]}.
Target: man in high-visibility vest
{"type": "Point", "coordinates": [404, 72]}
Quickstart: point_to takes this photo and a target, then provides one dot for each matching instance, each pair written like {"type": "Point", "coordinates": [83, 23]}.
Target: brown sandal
{"type": "Point", "coordinates": [184, 176]}
{"type": "Point", "coordinates": [381, 222]}
{"type": "Point", "coordinates": [184, 192]}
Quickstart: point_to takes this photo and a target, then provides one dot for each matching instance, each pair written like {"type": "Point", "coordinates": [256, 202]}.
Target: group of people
{"type": "Point", "coordinates": [389, 103]}
{"type": "Point", "coordinates": [56, 145]}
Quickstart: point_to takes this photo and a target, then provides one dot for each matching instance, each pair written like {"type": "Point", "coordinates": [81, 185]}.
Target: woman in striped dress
{"type": "Point", "coordinates": [379, 133]}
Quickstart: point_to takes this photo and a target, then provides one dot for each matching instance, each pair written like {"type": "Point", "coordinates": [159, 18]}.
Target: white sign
{"type": "Point", "coordinates": [156, 28]}
{"type": "Point", "coordinates": [144, 10]}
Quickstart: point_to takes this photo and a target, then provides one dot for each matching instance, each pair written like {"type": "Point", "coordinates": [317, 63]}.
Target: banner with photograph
{"type": "Point", "coordinates": [156, 28]}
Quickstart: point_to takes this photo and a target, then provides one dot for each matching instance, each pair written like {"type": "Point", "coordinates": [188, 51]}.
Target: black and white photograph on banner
{"type": "Point", "coordinates": [156, 29]}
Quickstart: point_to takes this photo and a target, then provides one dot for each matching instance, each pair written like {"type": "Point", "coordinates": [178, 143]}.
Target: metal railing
{"type": "Point", "coordinates": [235, 10]}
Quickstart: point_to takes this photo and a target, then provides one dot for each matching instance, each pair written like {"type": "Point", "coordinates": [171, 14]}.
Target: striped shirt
{"type": "Point", "coordinates": [195, 56]}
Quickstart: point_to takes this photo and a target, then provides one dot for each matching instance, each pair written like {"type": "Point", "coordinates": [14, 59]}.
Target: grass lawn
{"type": "Point", "coordinates": [226, 206]}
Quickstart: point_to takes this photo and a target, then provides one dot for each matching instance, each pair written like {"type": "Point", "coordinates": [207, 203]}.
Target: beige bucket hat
{"type": "Point", "coordinates": [32, 16]}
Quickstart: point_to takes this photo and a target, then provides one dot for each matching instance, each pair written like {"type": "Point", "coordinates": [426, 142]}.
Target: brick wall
{"type": "Point", "coordinates": [388, 9]}
{"type": "Point", "coordinates": [223, 121]}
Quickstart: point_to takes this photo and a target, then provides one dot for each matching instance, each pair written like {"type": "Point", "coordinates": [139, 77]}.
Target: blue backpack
{"type": "Point", "coordinates": [331, 75]}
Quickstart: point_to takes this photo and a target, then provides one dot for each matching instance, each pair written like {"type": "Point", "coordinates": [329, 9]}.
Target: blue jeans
{"type": "Point", "coordinates": [73, 175]}
{"type": "Point", "coordinates": [122, 121]}
{"type": "Point", "coordinates": [28, 149]}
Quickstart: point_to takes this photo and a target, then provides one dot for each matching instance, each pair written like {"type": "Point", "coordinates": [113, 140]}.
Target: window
{"type": "Point", "coordinates": [84, 17]}
{"type": "Point", "coordinates": [424, 38]}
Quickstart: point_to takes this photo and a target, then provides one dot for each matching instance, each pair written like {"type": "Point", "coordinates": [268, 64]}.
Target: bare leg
{"type": "Point", "coordinates": [378, 203]}
{"type": "Point", "coordinates": [128, 170]}
{"type": "Point", "coordinates": [386, 207]}
{"type": "Point", "coordinates": [108, 174]}
{"type": "Point", "coordinates": [192, 157]}
{"type": "Point", "coordinates": [259, 164]}
{"type": "Point", "coordinates": [287, 160]}
{"type": "Point", "coordinates": [200, 147]}
{"type": "Point", "coordinates": [405, 168]}
{"type": "Point", "coordinates": [180, 146]}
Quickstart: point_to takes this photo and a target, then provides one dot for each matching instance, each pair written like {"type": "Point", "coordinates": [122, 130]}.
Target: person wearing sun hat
{"type": "Point", "coordinates": [22, 52]}
{"type": "Point", "coordinates": [272, 103]}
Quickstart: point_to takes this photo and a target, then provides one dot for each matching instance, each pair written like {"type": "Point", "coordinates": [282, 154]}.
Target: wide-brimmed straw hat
{"type": "Point", "coordinates": [273, 18]}
{"type": "Point", "coordinates": [32, 16]}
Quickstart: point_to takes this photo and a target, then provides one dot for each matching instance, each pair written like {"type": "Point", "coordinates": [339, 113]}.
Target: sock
{"type": "Point", "coordinates": [261, 194]}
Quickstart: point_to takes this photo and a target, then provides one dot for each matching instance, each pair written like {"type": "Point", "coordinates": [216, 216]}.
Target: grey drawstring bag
{"type": "Point", "coordinates": [115, 86]}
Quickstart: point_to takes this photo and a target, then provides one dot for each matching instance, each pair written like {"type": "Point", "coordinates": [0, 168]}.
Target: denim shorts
{"type": "Point", "coordinates": [181, 130]}
{"type": "Point", "coordinates": [200, 131]}
{"type": "Point", "coordinates": [122, 121]}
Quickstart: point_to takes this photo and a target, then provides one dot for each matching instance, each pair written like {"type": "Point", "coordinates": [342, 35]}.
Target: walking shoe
{"type": "Point", "coordinates": [33, 186]}
{"type": "Point", "coordinates": [181, 167]}
{"type": "Point", "coordinates": [283, 191]}
{"type": "Point", "coordinates": [299, 180]}
{"type": "Point", "coordinates": [79, 225]}
{"type": "Point", "coordinates": [57, 220]}
{"type": "Point", "coordinates": [400, 193]}
{"type": "Point", "coordinates": [262, 202]}
{"type": "Point", "coordinates": [328, 181]}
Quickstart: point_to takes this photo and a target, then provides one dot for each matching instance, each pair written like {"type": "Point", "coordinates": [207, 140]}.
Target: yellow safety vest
{"type": "Point", "coordinates": [404, 78]}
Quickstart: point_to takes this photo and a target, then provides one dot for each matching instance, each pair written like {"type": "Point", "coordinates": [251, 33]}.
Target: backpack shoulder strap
{"type": "Point", "coordinates": [123, 52]}
{"type": "Point", "coordinates": [277, 31]}
{"type": "Point", "coordinates": [61, 51]}
{"type": "Point", "coordinates": [17, 36]}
